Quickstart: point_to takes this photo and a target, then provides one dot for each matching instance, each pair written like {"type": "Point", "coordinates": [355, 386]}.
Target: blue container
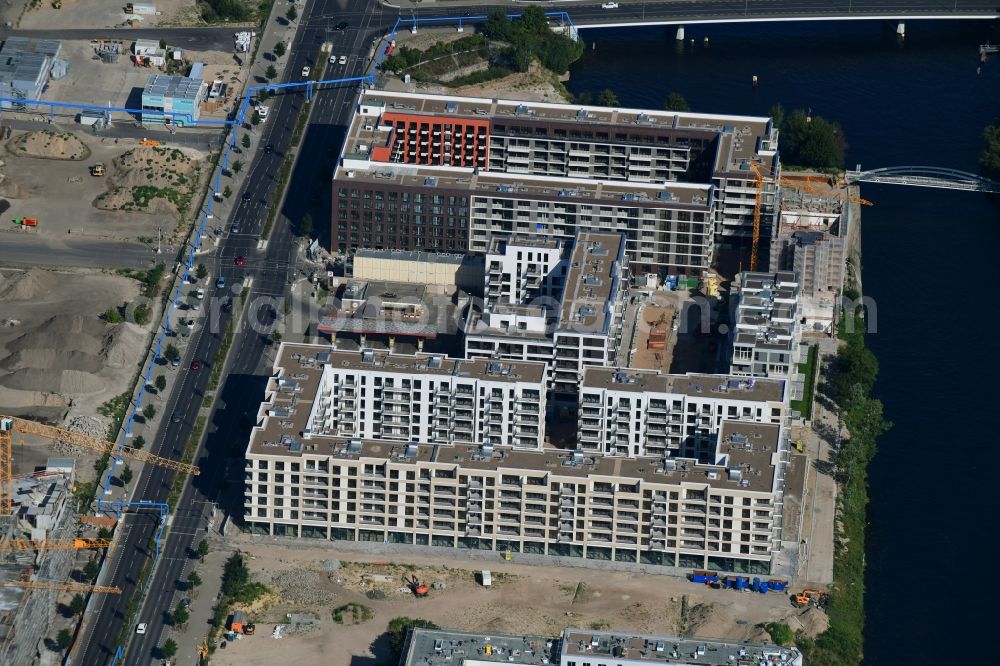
{"type": "Point", "coordinates": [756, 584]}
{"type": "Point", "coordinates": [777, 585]}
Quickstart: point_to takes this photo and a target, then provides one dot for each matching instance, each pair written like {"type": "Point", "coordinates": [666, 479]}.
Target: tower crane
{"type": "Point", "coordinates": [12, 545]}
{"type": "Point", "coordinates": [804, 184]}
{"type": "Point", "coordinates": [65, 587]}
{"type": "Point", "coordinates": [11, 424]}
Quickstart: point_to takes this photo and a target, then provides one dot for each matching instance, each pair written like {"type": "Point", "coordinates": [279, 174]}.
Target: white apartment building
{"type": "Point", "coordinates": [523, 269]}
{"type": "Point", "coordinates": [766, 333]}
{"type": "Point", "coordinates": [304, 478]}
{"type": "Point", "coordinates": [579, 326]}
{"type": "Point", "coordinates": [423, 398]}
{"type": "Point", "coordinates": [636, 413]}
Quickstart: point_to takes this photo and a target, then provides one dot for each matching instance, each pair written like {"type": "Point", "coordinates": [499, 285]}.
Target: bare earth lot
{"type": "Point", "coordinates": [524, 600]}
{"type": "Point", "coordinates": [56, 355]}
{"type": "Point", "coordinates": [103, 14]}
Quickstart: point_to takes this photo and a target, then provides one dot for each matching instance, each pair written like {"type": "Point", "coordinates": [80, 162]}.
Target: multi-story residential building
{"type": "Point", "coordinates": [421, 398]}
{"type": "Point", "coordinates": [638, 413]}
{"type": "Point", "coordinates": [765, 336]}
{"type": "Point", "coordinates": [564, 312]}
{"type": "Point", "coordinates": [588, 647]}
{"type": "Point", "coordinates": [447, 173]}
{"type": "Point", "coordinates": [810, 240]}
{"type": "Point", "coordinates": [306, 477]}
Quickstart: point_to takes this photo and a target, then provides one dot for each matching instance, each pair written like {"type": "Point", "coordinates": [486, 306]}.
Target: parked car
{"type": "Point", "coordinates": [609, 5]}
{"type": "Point", "coordinates": [343, 60]}
{"type": "Point", "coordinates": [306, 71]}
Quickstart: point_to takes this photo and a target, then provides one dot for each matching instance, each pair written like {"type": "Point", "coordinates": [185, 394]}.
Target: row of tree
{"type": "Point", "coordinates": [529, 36]}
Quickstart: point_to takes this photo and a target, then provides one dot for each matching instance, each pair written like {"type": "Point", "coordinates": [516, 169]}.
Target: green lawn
{"type": "Point", "coordinates": [804, 406]}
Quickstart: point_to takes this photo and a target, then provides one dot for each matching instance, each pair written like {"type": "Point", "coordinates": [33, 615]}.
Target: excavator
{"type": "Point", "coordinates": [419, 589]}
{"type": "Point", "coordinates": [807, 598]}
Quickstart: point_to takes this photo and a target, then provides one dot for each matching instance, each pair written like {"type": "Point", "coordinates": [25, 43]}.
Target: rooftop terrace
{"type": "Point", "coordinates": [705, 386]}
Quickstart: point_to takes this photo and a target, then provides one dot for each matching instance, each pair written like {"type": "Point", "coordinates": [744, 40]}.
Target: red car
{"type": "Point", "coordinates": [241, 261]}
{"type": "Point", "coordinates": [196, 365]}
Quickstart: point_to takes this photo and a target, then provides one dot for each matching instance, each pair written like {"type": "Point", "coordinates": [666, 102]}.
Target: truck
{"type": "Point", "coordinates": [238, 622]}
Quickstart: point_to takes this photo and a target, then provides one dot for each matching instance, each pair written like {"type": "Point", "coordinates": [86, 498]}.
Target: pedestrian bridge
{"type": "Point", "coordinates": [925, 176]}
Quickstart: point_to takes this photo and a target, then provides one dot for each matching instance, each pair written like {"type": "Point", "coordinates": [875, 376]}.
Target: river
{"type": "Point", "coordinates": [929, 258]}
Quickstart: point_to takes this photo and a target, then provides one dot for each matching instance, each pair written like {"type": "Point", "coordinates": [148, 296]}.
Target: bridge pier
{"type": "Point", "coordinates": [901, 29]}
{"type": "Point", "coordinates": [680, 33]}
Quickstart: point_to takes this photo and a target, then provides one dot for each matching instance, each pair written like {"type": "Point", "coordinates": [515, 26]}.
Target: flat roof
{"type": "Point", "coordinates": [24, 59]}
{"type": "Point", "coordinates": [591, 283]}
{"type": "Point", "coordinates": [671, 194]}
{"type": "Point", "coordinates": [499, 243]}
{"type": "Point", "coordinates": [299, 368]}
{"type": "Point", "coordinates": [457, 647]}
{"type": "Point", "coordinates": [177, 87]}
{"type": "Point", "coordinates": [740, 134]}
{"type": "Point", "coordinates": [647, 648]}
{"type": "Point", "coordinates": [409, 255]}
{"type": "Point", "coordinates": [723, 387]}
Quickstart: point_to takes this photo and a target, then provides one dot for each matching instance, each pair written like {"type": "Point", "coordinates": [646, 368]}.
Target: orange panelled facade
{"type": "Point", "coordinates": [435, 140]}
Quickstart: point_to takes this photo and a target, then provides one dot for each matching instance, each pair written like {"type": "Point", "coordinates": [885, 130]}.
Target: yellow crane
{"type": "Point", "coordinates": [12, 424]}
{"type": "Point", "coordinates": [806, 185]}
{"type": "Point", "coordinates": [65, 587]}
{"type": "Point", "coordinates": [12, 545]}
{"type": "Point", "coordinates": [758, 200]}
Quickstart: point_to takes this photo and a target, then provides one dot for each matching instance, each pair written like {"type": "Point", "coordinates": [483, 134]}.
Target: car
{"type": "Point", "coordinates": [262, 111]}
{"type": "Point", "coordinates": [343, 60]}
{"type": "Point", "coordinates": [269, 148]}
{"type": "Point", "coordinates": [141, 628]}
{"type": "Point", "coordinates": [340, 27]}
{"type": "Point", "coordinates": [176, 417]}
{"type": "Point", "coordinates": [332, 60]}
{"type": "Point", "coordinates": [306, 71]}
{"type": "Point", "coordinates": [176, 362]}
{"type": "Point", "coordinates": [235, 229]}
{"type": "Point", "coordinates": [240, 261]}
{"type": "Point", "coordinates": [246, 197]}
{"type": "Point", "coordinates": [609, 5]}
{"type": "Point", "coordinates": [220, 283]}
{"type": "Point", "coordinates": [196, 365]}
{"type": "Point", "coordinates": [200, 293]}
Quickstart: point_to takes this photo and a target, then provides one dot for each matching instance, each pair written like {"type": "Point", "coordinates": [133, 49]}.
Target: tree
{"type": "Point", "coordinates": [608, 98]}
{"type": "Point", "coordinates": [255, 118]}
{"type": "Point", "coordinates": [91, 569]}
{"type": "Point", "coordinates": [161, 383]}
{"type": "Point", "coordinates": [989, 158]}
{"type": "Point", "coordinates": [235, 575]}
{"type": "Point", "coordinates": [141, 314]}
{"type": "Point", "coordinates": [64, 639]}
{"type": "Point", "coordinates": [171, 353]}
{"type": "Point", "coordinates": [104, 533]}
{"type": "Point", "coordinates": [399, 626]}
{"type": "Point", "coordinates": [245, 142]}
{"type": "Point", "coordinates": [237, 166]}
{"type": "Point", "coordinates": [279, 49]}
{"type": "Point", "coordinates": [306, 225]}
{"type": "Point", "coordinates": [227, 191]}
{"type": "Point", "coordinates": [780, 633]}
{"type": "Point", "coordinates": [262, 96]}
{"type": "Point", "coordinates": [126, 476]}
{"type": "Point", "coordinates": [676, 102]}
{"type": "Point", "coordinates": [149, 411]}
{"type": "Point", "coordinates": [193, 580]}
{"type": "Point", "coordinates": [139, 442]}
{"type": "Point", "coordinates": [112, 316]}
{"type": "Point", "coordinates": [292, 13]}
{"type": "Point", "coordinates": [586, 98]}
{"type": "Point", "coordinates": [181, 614]}
{"type": "Point", "coordinates": [276, 337]}
{"type": "Point", "coordinates": [809, 141]}
{"type": "Point", "coordinates": [201, 272]}
{"type": "Point", "coordinates": [497, 25]}
{"type": "Point", "coordinates": [77, 604]}
{"type": "Point", "coordinates": [271, 73]}
{"type": "Point", "coordinates": [202, 549]}
{"type": "Point", "coordinates": [169, 648]}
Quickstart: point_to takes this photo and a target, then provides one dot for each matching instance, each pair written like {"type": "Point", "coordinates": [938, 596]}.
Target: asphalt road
{"type": "Point", "coordinates": [27, 250]}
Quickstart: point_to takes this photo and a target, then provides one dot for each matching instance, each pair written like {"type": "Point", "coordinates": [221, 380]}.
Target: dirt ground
{"type": "Point", "coordinates": [523, 600]}
{"type": "Point", "coordinates": [650, 317]}
{"type": "Point", "coordinates": [52, 191]}
{"type": "Point", "coordinates": [102, 14]}
{"type": "Point", "coordinates": [56, 355]}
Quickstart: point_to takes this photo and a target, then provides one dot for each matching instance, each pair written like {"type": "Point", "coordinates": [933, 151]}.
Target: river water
{"type": "Point", "coordinates": [929, 263]}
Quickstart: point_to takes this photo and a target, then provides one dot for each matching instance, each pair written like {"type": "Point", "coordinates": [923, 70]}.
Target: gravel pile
{"type": "Point", "coordinates": [301, 587]}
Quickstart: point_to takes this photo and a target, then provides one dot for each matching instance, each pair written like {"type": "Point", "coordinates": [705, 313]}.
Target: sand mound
{"type": "Point", "coordinates": [52, 358]}
{"type": "Point", "coordinates": [63, 332]}
{"type": "Point", "coordinates": [151, 179]}
{"type": "Point", "coordinates": [58, 381]}
{"type": "Point", "coordinates": [29, 285]}
{"type": "Point", "coordinates": [50, 145]}
{"type": "Point", "coordinates": [123, 344]}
